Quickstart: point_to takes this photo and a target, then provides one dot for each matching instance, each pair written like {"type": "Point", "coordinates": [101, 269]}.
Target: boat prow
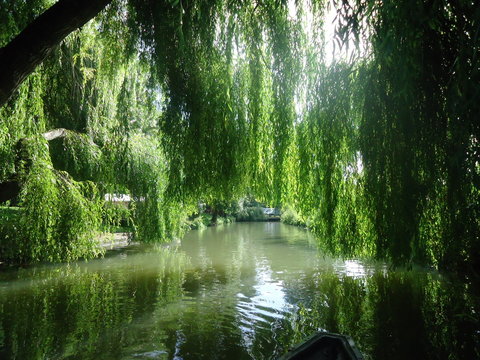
{"type": "Point", "coordinates": [325, 346]}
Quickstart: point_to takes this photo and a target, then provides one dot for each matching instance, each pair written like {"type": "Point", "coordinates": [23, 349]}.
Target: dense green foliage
{"type": "Point", "coordinates": [418, 132]}
{"type": "Point", "coordinates": [174, 102]}
{"type": "Point", "coordinates": [105, 100]}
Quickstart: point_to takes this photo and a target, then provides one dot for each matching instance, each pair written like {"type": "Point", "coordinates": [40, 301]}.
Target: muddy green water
{"type": "Point", "coordinates": [242, 291]}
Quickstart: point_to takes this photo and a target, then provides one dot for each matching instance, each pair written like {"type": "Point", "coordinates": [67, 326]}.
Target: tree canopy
{"type": "Point", "coordinates": [177, 101]}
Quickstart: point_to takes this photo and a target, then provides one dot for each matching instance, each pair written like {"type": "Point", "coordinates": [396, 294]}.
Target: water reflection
{"type": "Point", "coordinates": [244, 291]}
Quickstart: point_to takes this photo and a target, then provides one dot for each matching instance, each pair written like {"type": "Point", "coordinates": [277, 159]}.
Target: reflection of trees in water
{"type": "Point", "coordinates": [391, 315]}
{"type": "Point", "coordinates": [70, 312]}
{"type": "Point", "coordinates": [398, 315]}
{"type": "Point", "coordinates": [162, 305]}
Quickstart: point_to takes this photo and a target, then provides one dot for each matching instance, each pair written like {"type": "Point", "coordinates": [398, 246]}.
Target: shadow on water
{"type": "Point", "coordinates": [244, 291]}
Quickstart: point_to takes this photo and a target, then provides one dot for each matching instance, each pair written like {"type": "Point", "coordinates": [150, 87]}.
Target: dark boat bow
{"type": "Point", "coordinates": [325, 346]}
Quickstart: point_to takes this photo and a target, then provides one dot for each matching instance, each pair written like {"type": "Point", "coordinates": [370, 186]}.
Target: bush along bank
{"type": "Point", "coordinates": [224, 212]}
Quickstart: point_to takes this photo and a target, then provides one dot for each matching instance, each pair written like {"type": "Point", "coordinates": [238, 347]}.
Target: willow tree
{"type": "Point", "coordinates": [419, 130]}
{"type": "Point", "coordinates": [389, 148]}
{"type": "Point", "coordinates": [100, 100]}
{"type": "Point", "coordinates": [177, 101]}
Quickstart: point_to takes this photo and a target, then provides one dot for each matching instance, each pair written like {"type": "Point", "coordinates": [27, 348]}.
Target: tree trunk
{"type": "Point", "coordinates": [29, 48]}
{"type": "Point", "coordinates": [9, 191]}
{"type": "Point", "coordinates": [54, 134]}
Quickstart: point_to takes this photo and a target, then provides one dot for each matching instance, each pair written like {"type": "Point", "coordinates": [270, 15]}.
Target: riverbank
{"type": "Point", "coordinates": [112, 241]}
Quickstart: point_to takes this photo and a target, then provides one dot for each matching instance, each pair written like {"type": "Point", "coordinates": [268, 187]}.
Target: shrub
{"type": "Point", "coordinates": [254, 213]}
{"type": "Point", "coordinates": [290, 216]}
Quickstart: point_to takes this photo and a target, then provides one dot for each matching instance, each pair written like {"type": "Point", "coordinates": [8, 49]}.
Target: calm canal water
{"type": "Point", "coordinates": [242, 291]}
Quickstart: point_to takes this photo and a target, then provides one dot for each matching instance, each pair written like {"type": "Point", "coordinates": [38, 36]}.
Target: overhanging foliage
{"type": "Point", "coordinates": [178, 101]}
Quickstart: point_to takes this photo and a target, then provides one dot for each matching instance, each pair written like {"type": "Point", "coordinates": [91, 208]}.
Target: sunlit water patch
{"type": "Point", "coordinates": [243, 291]}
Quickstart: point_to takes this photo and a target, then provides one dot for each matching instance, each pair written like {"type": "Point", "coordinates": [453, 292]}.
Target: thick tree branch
{"type": "Point", "coordinates": [54, 134]}
{"type": "Point", "coordinates": [28, 50]}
